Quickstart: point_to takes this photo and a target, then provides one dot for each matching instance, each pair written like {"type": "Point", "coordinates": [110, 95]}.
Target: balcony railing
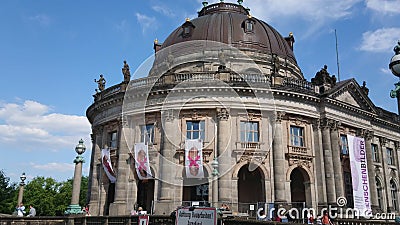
{"type": "Point", "coordinates": [297, 150]}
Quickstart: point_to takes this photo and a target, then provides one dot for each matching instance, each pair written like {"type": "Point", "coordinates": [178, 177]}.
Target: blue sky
{"type": "Point", "coordinates": [51, 52]}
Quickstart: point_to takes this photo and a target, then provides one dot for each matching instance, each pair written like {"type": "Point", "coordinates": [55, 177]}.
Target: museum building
{"type": "Point", "coordinates": [265, 134]}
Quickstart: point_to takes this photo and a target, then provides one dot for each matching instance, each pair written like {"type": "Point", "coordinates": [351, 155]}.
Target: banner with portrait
{"type": "Point", "coordinates": [359, 174]}
{"type": "Point", "coordinates": [106, 161]}
{"type": "Point", "coordinates": [142, 163]}
{"type": "Point", "coordinates": [194, 158]}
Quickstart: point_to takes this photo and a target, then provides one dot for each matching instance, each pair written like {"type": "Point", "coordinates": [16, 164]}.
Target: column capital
{"type": "Point", "coordinates": [279, 116]}
{"type": "Point", "coordinates": [367, 134]}
{"type": "Point", "coordinates": [222, 114]}
{"type": "Point", "coordinates": [97, 130]}
{"type": "Point", "coordinates": [168, 115]}
{"type": "Point", "coordinates": [334, 124]}
{"type": "Point", "coordinates": [383, 141]}
{"type": "Point", "coordinates": [316, 124]}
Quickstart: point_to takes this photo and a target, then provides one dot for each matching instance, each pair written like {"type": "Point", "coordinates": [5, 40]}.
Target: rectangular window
{"type": "Point", "coordinates": [375, 153]}
{"type": "Point", "coordinates": [113, 139]}
{"type": "Point", "coordinates": [297, 136]}
{"type": "Point", "coordinates": [249, 131]}
{"type": "Point", "coordinates": [147, 133]}
{"type": "Point", "coordinates": [390, 157]}
{"type": "Point", "coordinates": [344, 145]}
{"type": "Point", "coordinates": [195, 130]}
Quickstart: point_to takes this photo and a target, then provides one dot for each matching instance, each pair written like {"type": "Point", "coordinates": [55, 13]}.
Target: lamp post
{"type": "Point", "coordinates": [74, 207]}
{"type": "Point", "coordinates": [394, 66]}
{"type": "Point", "coordinates": [21, 188]}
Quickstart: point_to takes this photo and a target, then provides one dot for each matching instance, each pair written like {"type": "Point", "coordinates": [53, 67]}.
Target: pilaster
{"type": "Point", "coordinates": [94, 176]}
{"type": "Point", "coordinates": [337, 165]}
{"type": "Point", "coordinates": [224, 155]}
{"type": "Point", "coordinates": [329, 171]}
{"type": "Point", "coordinates": [279, 160]}
{"type": "Point", "coordinates": [319, 169]}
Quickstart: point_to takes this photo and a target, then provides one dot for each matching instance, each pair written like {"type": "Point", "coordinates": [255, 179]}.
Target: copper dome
{"type": "Point", "coordinates": [226, 23]}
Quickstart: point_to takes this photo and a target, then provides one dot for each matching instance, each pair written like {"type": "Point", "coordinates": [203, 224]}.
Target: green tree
{"type": "Point", "coordinates": [41, 193]}
{"type": "Point", "coordinates": [8, 192]}
{"type": "Point", "coordinates": [65, 193]}
{"type": "Point", "coordinates": [51, 198]}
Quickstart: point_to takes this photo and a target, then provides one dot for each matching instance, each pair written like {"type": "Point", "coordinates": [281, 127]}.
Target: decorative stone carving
{"type": "Point", "coordinates": [383, 141]}
{"type": "Point", "coordinates": [323, 78]}
{"type": "Point", "coordinates": [168, 115]}
{"type": "Point", "coordinates": [316, 124]}
{"type": "Point", "coordinates": [222, 114]}
{"type": "Point", "coordinates": [126, 72]}
{"type": "Point", "coordinates": [279, 116]}
{"type": "Point", "coordinates": [101, 83]}
{"type": "Point", "coordinates": [300, 162]}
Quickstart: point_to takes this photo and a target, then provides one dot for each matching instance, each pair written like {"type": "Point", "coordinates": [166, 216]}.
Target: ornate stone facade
{"type": "Point", "coordinates": [276, 138]}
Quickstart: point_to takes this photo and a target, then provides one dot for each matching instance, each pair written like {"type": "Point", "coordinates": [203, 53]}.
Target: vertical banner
{"type": "Point", "coordinates": [359, 175]}
{"type": "Point", "coordinates": [142, 161]}
{"type": "Point", "coordinates": [105, 159]}
{"type": "Point", "coordinates": [194, 158]}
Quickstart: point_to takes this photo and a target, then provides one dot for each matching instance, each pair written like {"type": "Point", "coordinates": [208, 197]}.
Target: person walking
{"type": "Point", "coordinates": [32, 211]}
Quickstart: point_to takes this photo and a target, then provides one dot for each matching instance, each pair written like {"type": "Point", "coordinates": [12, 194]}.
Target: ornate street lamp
{"type": "Point", "coordinates": [394, 66]}
{"type": "Point", "coordinates": [74, 207]}
{"type": "Point", "coordinates": [21, 188]}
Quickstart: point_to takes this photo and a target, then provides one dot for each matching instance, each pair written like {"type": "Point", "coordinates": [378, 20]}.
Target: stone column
{"type": "Point", "coordinates": [319, 164]}
{"type": "Point", "coordinates": [21, 191]}
{"type": "Point", "coordinates": [329, 172]}
{"type": "Point", "coordinates": [368, 135]}
{"type": "Point", "coordinates": [119, 206]}
{"type": "Point", "coordinates": [224, 155]}
{"type": "Point", "coordinates": [337, 164]}
{"type": "Point", "coordinates": [94, 177]}
{"type": "Point", "coordinates": [382, 147]}
{"type": "Point", "coordinates": [279, 160]}
{"type": "Point", "coordinates": [169, 132]}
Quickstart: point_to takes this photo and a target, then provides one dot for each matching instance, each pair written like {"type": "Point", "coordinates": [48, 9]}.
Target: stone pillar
{"type": "Point", "coordinates": [329, 172]}
{"type": "Point", "coordinates": [21, 192]}
{"type": "Point", "coordinates": [279, 160]}
{"type": "Point", "coordinates": [382, 147]}
{"type": "Point", "coordinates": [224, 155]}
{"type": "Point", "coordinates": [337, 164]}
{"type": "Point", "coordinates": [94, 177]}
{"type": "Point", "coordinates": [371, 171]}
{"type": "Point", "coordinates": [319, 165]}
{"type": "Point", "coordinates": [169, 132]}
{"type": "Point", "coordinates": [119, 206]}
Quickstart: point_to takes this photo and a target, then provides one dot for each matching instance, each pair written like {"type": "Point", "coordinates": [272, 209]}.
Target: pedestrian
{"type": "Point", "coordinates": [20, 209]}
{"type": "Point", "coordinates": [325, 219]}
{"type": "Point", "coordinates": [32, 211]}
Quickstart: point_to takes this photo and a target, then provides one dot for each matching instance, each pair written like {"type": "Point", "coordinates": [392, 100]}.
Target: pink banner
{"type": "Point", "coordinates": [194, 159]}
{"type": "Point", "coordinates": [142, 164]}
{"type": "Point", "coordinates": [106, 161]}
{"type": "Point", "coordinates": [359, 174]}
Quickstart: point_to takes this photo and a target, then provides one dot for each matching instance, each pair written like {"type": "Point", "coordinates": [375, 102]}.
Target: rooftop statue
{"type": "Point", "coordinates": [323, 77]}
{"type": "Point", "coordinates": [126, 72]}
{"type": "Point", "coordinates": [101, 83]}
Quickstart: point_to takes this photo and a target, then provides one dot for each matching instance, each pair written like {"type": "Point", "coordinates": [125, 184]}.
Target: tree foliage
{"type": "Point", "coordinates": [49, 197]}
{"type": "Point", "coordinates": [8, 192]}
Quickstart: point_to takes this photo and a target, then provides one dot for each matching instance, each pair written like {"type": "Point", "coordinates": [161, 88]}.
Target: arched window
{"type": "Point", "coordinates": [393, 191]}
{"type": "Point", "coordinates": [379, 191]}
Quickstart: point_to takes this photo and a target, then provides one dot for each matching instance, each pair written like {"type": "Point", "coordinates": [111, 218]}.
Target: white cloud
{"type": "Point", "coordinates": [381, 40]}
{"type": "Point", "coordinates": [42, 19]}
{"type": "Point", "coordinates": [163, 10]}
{"type": "Point", "coordinates": [146, 22]}
{"type": "Point", "coordinates": [31, 126]}
{"type": "Point", "coordinates": [54, 167]}
{"type": "Point", "coordinates": [384, 6]}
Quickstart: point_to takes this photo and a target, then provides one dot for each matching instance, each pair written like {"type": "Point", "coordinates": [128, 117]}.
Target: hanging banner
{"type": "Point", "coordinates": [142, 161]}
{"type": "Point", "coordinates": [105, 159]}
{"type": "Point", "coordinates": [359, 175]}
{"type": "Point", "coordinates": [194, 159]}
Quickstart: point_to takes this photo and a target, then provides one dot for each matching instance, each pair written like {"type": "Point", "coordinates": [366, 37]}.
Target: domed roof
{"type": "Point", "coordinates": [233, 25]}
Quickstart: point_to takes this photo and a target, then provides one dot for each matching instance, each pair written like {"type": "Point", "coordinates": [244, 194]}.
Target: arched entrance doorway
{"type": "Point", "coordinates": [300, 191]}
{"type": "Point", "coordinates": [251, 187]}
{"type": "Point", "coordinates": [145, 193]}
{"type": "Point", "coordinates": [195, 190]}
